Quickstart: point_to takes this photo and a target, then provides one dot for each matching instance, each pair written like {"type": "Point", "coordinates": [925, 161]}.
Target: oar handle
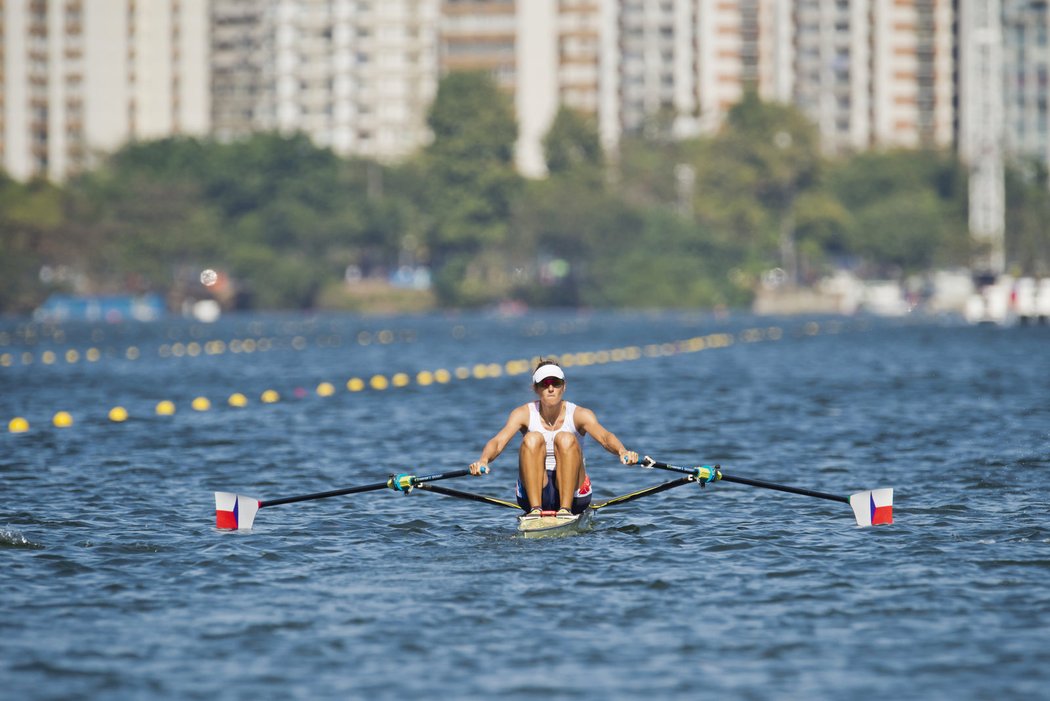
{"type": "Point", "coordinates": [446, 475]}
{"type": "Point", "coordinates": [703, 473]}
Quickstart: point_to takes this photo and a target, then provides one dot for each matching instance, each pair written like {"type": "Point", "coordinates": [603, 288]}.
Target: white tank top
{"type": "Point", "coordinates": [536, 424]}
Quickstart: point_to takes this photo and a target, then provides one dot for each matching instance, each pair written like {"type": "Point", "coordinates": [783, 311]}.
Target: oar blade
{"type": "Point", "coordinates": [873, 508]}
{"type": "Point", "coordinates": [235, 511]}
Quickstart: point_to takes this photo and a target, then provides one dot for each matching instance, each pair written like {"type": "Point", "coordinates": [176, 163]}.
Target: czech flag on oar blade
{"type": "Point", "coordinates": [874, 507]}
{"type": "Point", "coordinates": [234, 511]}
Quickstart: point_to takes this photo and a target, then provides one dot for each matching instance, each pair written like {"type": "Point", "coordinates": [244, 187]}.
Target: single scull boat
{"type": "Point", "coordinates": [870, 508]}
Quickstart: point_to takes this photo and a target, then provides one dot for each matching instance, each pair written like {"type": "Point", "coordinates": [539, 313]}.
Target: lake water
{"type": "Point", "coordinates": [117, 585]}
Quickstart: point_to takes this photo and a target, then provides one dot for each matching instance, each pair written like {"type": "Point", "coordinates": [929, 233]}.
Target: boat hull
{"type": "Point", "coordinates": [554, 526]}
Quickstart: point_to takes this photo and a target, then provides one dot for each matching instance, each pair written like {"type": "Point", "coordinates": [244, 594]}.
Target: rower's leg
{"type": "Point", "coordinates": [532, 468]}
{"type": "Point", "coordinates": [569, 458]}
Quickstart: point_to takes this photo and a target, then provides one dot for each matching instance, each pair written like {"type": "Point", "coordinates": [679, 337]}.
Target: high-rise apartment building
{"type": "Point", "coordinates": [238, 59]}
{"type": "Point", "coordinates": [355, 75]}
{"type": "Point", "coordinates": [981, 124]}
{"type": "Point", "coordinates": [1026, 70]}
{"type": "Point", "coordinates": [912, 75]}
{"type": "Point", "coordinates": [82, 77]}
{"type": "Point", "coordinates": [868, 72]}
{"type": "Point", "coordinates": [875, 72]}
{"type": "Point", "coordinates": [544, 53]}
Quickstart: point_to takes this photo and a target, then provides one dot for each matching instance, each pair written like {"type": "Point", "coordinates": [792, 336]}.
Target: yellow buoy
{"type": "Point", "coordinates": [443, 376]}
{"type": "Point", "coordinates": [379, 382]}
{"type": "Point", "coordinates": [325, 389]}
{"type": "Point", "coordinates": [62, 419]}
{"type": "Point", "coordinates": [401, 379]}
{"type": "Point", "coordinates": [355, 384]}
{"type": "Point", "coordinates": [201, 404]}
{"type": "Point", "coordinates": [270, 396]}
{"type": "Point", "coordinates": [165, 408]}
{"type": "Point", "coordinates": [425, 377]}
{"type": "Point", "coordinates": [238, 400]}
{"type": "Point", "coordinates": [118, 414]}
{"type": "Point", "coordinates": [18, 425]}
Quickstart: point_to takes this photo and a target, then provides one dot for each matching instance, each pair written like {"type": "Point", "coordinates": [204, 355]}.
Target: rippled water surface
{"type": "Point", "coordinates": [116, 584]}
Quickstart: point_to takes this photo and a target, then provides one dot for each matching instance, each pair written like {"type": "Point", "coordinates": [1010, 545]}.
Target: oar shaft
{"type": "Point", "coordinates": [752, 482]}
{"type": "Point", "coordinates": [324, 495]}
{"type": "Point", "coordinates": [624, 498]}
{"type": "Point", "coordinates": [363, 488]}
{"type": "Point", "coordinates": [437, 489]}
{"type": "Point", "coordinates": [783, 488]}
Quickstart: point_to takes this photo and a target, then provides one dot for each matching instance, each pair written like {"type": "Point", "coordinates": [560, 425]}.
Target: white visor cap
{"type": "Point", "coordinates": [542, 373]}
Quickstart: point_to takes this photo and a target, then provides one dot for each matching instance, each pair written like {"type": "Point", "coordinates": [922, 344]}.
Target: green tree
{"type": "Point", "coordinates": [31, 217]}
{"type": "Point", "coordinates": [471, 182]}
{"type": "Point", "coordinates": [1027, 214]}
{"type": "Point", "coordinates": [901, 232]}
{"type": "Point", "coordinates": [573, 143]}
{"type": "Point", "coordinates": [909, 208]}
{"type": "Point", "coordinates": [767, 153]}
{"type": "Point", "coordinates": [824, 232]}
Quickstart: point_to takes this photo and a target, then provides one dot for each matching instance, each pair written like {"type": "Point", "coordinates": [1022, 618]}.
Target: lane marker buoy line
{"type": "Point", "coordinates": [199, 347]}
{"type": "Point", "coordinates": [441, 376]}
{"type": "Point", "coordinates": [190, 349]}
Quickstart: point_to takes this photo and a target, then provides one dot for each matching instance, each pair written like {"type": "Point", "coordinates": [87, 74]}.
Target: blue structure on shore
{"type": "Point", "coordinates": [111, 308]}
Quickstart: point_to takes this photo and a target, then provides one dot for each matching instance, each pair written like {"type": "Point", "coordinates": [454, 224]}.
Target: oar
{"type": "Point", "coordinates": [870, 508]}
{"type": "Point", "coordinates": [235, 511]}
{"type": "Point", "coordinates": [438, 489]}
{"type": "Point", "coordinates": [648, 491]}
{"type": "Point", "coordinates": [614, 501]}
{"type": "Point", "coordinates": [623, 499]}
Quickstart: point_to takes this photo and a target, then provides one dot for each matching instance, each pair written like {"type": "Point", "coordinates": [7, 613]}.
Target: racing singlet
{"type": "Point", "coordinates": [536, 424]}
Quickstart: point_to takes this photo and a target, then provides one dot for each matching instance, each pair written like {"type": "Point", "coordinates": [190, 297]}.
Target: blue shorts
{"type": "Point", "coordinates": [550, 500]}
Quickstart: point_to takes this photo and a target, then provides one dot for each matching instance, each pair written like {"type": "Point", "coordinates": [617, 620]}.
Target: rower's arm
{"type": "Point", "coordinates": [518, 418]}
{"type": "Point", "coordinates": [586, 420]}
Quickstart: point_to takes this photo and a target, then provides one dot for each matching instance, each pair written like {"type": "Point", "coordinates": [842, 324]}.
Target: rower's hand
{"type": "Point", "coordinates": [629, 457]}
{"type": "Point", "coordinates": [479, 468]}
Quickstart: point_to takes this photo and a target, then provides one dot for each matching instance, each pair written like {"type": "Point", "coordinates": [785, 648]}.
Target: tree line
{"type": "Point", "coordinates": [661, 223]}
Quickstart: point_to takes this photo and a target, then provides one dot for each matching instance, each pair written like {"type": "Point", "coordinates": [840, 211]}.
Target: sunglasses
{"type": "Point", "coordinates": [550, 382]}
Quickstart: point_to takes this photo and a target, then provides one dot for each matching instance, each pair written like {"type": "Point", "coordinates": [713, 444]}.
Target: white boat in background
{"type": "Point", "coordinates": [1042, 300]}
{"type": "Point", "coordinates": [884, 298]}
{"type": "Point", "coordinates": [1009, 301]}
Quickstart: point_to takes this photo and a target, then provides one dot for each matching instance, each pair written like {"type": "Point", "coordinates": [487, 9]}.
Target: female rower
{"type": "Point", "coordinates": [552, 472]}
